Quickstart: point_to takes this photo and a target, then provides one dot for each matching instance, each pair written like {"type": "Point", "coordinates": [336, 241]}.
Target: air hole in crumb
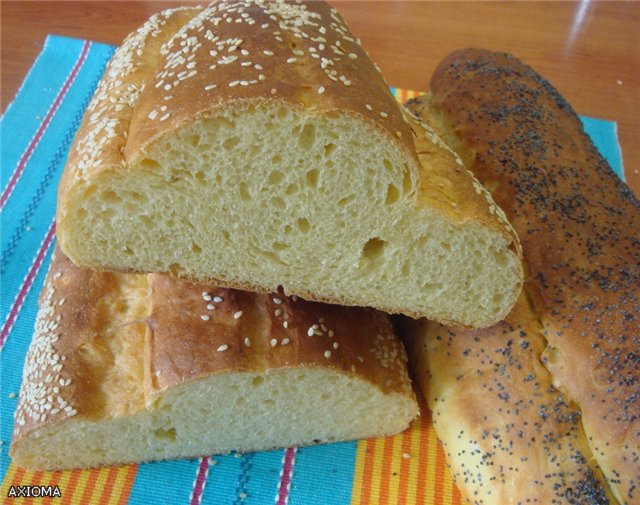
{"type": "Point", "coordinates": [226, 235]}
{"type": "Point", "coordinates": [446, 246]}
{"type": "Point", "coordinates": [257, 380]}
{"type": "Point", "coordinates": [175, 269]}
{"type": "Point", "coordinates": [278, 202]}
{"type": "Point", "coordinates": [276, 159]}
{"type": "Point", "coordinates": [407, 184]}
{"type": "Point", "coordinates": [280, 246]}
{"type": "Point", "coordinates": [405, 269]}
{"type": "Point", "coordinates": [498, 299]}
{"type": "Point", "coordinates": [194, 140]}
{"type": "Point", "coordinates": [287, 229]}
{"type": "Point", "coordinates": [374, 248]}
{"type": "Point", "coordinates": [392, 195]}
{"type": "Point", "coordinates": [307, 137]}
{"type": "Point", "coordinates": [110, 197]}
{"type": "Point", "coordinates": [169, 434]}
{"type": "Point", "coordinates": [344, 201]}
{"type": "Point", "coordinates": [329, 149]}
{"type": "Point", "coordinates": [303, 224]}
{"type": "Point", "coordinates": [387, 164]}
{"type": "Point", "coordinates": [230, 143]}
{"type": "Point", "coordinates": [431, 287]}
{"type": "Point", "coordinates": [502, 259]}
{"type": "Point", "coordinates": [244, 192]}
{"type": "Point", "coordinates": [150, 164]}
{"type": "Point", "coordinates": [196, 248]}
{"type": "Point", "coordinates": [275, 177]}
{"type": "Point", "coordinates": [290, 189]}
{"type": "Point", "coordinates": [200, 177]}
{"type": "Point", "coordinates": [312, 178]}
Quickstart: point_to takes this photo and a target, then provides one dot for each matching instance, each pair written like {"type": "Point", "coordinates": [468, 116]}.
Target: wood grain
{"type": "Point", "coordinates": [590, 51]}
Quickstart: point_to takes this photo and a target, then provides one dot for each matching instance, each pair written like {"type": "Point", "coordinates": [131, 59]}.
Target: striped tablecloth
{"type": "Point", "coordinates": [37, 130]}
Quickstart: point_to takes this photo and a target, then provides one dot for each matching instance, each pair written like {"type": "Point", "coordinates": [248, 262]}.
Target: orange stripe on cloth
{"type": "Point", "coordinates": [127, 484]}
{"type": "Point", "coordinates": [51, 479]}
{"type": "Point", "coordinates": [106, 489]}
{"type": "Point", "coordinates": [86, 487]}
{"type": "Point", "coordinates": [385, 469]}
{"type": "Point", "coordinates": [68, 485]}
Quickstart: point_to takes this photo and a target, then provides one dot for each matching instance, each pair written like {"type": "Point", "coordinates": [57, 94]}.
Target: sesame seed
{"type": "Point", "coordinates": [331, 333]}
{"type": "Point", "coordinates": [335, 345]}
{"type": "Point", "coordinates": [217, 299]}
{"type": "Point", "coordinates": [292, 60]}
{"type": "Point", "coordinates": [206, 296]}
{"type": "Point", "coordinates": [167, 87]}
{"type": "Point", "coordinates": [257, 66]}
{"type": "Point", "coordinates": [285, 341]}
{"type": "Point", "coordinates": [247, 342]}
{"type": "Point", "coordinates": [384, 114]}
{"type": "Point", "coordinates": [398, 134]}
{"type": "Point", "coordinates": [233, 84]}
{"type": "Point", "coordinates": [320, 90]}
{"type": "Point", "coordinates": [244, 52]}
{"type": "Point", "coordinates": [166, 116]}
{"type": "Point", "coordinates": [157, 373]}
{"type": "Point", "coordinates": [273, 342]}
{"type": "Point", "coordinates": [11, 395]}
{"type": "Point", "coordinates": [406, 455]}
{"type": "Point", "coordinates": [261, 77]}
{"type": "Point", "coordinates": [268, 53]}
{"type": "Point", "coordinates": [223, 348]}
{"type": "Point", "coordinates": [353, 56]}
{"type": "Point", "coordinates": [246, 64]}
{"type": "Point", "coordinates": [278, 312]}
{"type": "Point", "coordinates": [237, 315]}
{"type": "Point", "coordinates": [327, 354]}
{"type": "Point", "coordinates": [273, 91]}
{"type": "Point", "coordinates": [153, 114]}
{"type": "Point", "coordinates": [209, 87]}
{"type": "Point", "coordinates": [285, 324]}
{"type": "Point", "coordinates": [211, 306]}
{"type": "Point", "coordinates": [242, 496]}
{"type": "Point", "coordinates": [368, 106]}
{"type": "Point", "coordinates": [277, 301]}
{"type": "Point", "coordinates": [310, 332]}
{"type": "Point", "coordinates": [264, 25]}
{"type": "Point", "coordinates": [204, 317]}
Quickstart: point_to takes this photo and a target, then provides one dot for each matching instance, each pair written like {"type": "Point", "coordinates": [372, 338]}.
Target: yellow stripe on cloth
{"type": "Point", "coordinates": [405, 469]}
{"type": "Point", "coordinates": [100, 486]}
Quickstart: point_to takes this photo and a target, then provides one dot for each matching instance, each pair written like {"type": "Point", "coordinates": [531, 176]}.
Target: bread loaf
{"type": "Point", "coordinates": [255, 145]}
{"type": "Point", "coordinates": [578, 224]}
{"type": "Point", "coordinates": [128, 368]}
{"type": "Point", "coordinates": [509, 435]}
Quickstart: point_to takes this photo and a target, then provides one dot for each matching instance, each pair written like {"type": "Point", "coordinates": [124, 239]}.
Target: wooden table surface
{"type": "Point", "coordinates": [590, 51]}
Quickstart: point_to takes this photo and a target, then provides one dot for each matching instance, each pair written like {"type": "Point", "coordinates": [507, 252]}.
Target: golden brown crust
{"type": "Point", "coordinates": [110, 342]}
{"type": "Point", "coordinates": [230, 330]}
{"type": "Point", "coordinates": [578, 224]}
{"type": "Point", "coordinates": [510, 436]}
{"type": "Point", "coordinates": [67, 368]}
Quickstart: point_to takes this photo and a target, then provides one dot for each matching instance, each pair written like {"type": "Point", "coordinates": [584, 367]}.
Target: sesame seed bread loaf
{"type": "Point", "coordinates": [129, 368]}
{"type": "Point", "coordinates": [578, 224]}
{"type": "Point", "coordinates": [510, 436]}
{"type": "Point", "coordinates": [256, 146]}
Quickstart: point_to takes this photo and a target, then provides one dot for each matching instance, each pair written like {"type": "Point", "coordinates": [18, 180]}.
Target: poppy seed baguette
{"type": "Point", "coordinates": [255, 145]}
{"type": "Point", "coordinates": [578, 224]}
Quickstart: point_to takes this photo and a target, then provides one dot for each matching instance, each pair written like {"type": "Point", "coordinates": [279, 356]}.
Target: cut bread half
{"type": "Point", "coordinates": [270, 152]}
{"type": "Point", "coordinates": [130, 368]}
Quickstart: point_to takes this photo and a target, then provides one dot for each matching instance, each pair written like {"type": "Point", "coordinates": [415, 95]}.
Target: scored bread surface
{"type": "Point", "coordinates": [129, 368]}
{"type": "Point", "coordinates": [256, 145]}
{"type": "Point", "coordinates": [578, 224]}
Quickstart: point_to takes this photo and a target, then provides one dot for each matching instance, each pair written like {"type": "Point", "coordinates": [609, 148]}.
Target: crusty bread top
{"type": "Point", "coordinates": [578, 224]}
{"type": "Point", "coordinates": [183, 64]}
{"type": "Point", "coordinates": [77, 366]}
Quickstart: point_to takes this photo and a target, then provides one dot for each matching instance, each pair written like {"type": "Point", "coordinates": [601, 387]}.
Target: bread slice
{"type": "Point", "coordinates": [509, 435]}
{"type": "Point", "coordinates": [578, 223]}
{"type": "Point", "coordinates": [129, 368]}
{"type": "Point", "coordinates": [256, 147]}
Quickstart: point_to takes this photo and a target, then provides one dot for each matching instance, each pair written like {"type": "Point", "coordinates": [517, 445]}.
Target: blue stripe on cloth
{"type": "Point", "coordinates": [323, 474]}
{"type": "Point", "coordinates": [30, 208]}
{"type": "Point", "coordinates": [164, 482]}
{"type": "Point", "coordinates": [12, 361]}
{"type": "Point", "coordinates": [224, 473]}
{"type": "Point", "coordinates": [604, 135]}
{"type": "Point", "coordinates": [35, 97]}
{"type": "Point", "coordinates": [262, 480]}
